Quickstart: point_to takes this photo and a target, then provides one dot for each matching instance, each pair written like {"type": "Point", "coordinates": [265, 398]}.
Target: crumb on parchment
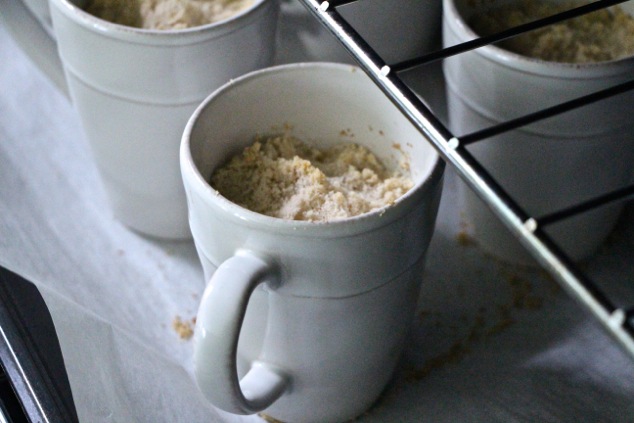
{"type": "Point", "coordinates": [184, 328]}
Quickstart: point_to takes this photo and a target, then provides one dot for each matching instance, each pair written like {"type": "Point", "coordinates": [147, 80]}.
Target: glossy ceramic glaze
{"type": "Point", "coordinates": [549, 165]}
{"type": "Point", "coordinates": [329, 303]}
{"type": "Point", "coordinates": [134, 90]}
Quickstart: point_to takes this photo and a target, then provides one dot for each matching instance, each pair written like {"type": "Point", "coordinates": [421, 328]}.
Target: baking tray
{"type": "Point", "coordinates": [33, 383]}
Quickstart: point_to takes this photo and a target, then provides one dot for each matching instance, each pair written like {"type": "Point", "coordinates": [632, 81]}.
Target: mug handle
{"type": "Point", "coordinates": [218, 323]}
{"type": "Point", "coordinates": [35, 38]}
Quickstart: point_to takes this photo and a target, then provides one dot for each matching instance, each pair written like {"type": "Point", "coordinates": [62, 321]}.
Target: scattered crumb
{"type": "Point", "coordinates": [268, 418]}
{"type": "Point", "coordinates": [523, 296]}
{"type": "Point", "coordinates": [504, 321]}
{"type": "Point", "coordinates": [184, 328]}
{"type": "Point", "coordinates": [346, 133]}
{"type": "Point", "coordinates": [465, 239]}
{"type": "Point", "coordinates": [485, 324]}
{"type": "Point", "coordinates": [456, 352]}
{"type": "Point", "coordinates": [465, 233]}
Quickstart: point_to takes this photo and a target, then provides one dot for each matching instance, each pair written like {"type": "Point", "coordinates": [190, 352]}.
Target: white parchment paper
{"type": "Point", "coordinates": [491, 342]}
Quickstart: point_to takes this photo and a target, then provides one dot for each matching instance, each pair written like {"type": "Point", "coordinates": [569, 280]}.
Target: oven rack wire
{"type": "Point", "coordinates": [616, 320]}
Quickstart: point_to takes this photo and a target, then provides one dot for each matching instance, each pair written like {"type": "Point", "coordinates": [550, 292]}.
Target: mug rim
{"type": "Point", "coordinates": [386, 214]}
{"type": "Point", "coordinates": [88, 20]}
{"type": "Point", "coordinates": [504, 57]}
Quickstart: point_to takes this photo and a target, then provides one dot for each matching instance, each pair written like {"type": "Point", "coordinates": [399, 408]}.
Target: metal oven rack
{"type": "Point", "coordinates": [618, 321]}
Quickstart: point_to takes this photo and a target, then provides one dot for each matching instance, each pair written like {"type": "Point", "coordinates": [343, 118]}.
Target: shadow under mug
{"type": "Point", "coordinates": [135, 89]}
{"type": "Point", "coordinates": [305, 320]}
{"type": "Point", "coordinates": [549, 165]}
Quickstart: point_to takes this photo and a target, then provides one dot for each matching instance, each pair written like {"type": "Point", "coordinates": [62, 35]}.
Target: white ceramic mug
{"type": "Point", "coordinates": [305, 320]}
{"type": "Point", "coordinates": [397, 30]}
{"type": "Point", "coordinates": [134, 90]}
{"type": "Point", "coordinates": [550, 165]}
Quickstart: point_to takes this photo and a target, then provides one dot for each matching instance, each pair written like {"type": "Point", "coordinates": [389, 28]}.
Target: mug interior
{"type": "Point", "coordinates": [466, 9]}
{"type": "Point", "coordinates": [82, 4]}
{"type": "Point", "coordinates": [321, 104]}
